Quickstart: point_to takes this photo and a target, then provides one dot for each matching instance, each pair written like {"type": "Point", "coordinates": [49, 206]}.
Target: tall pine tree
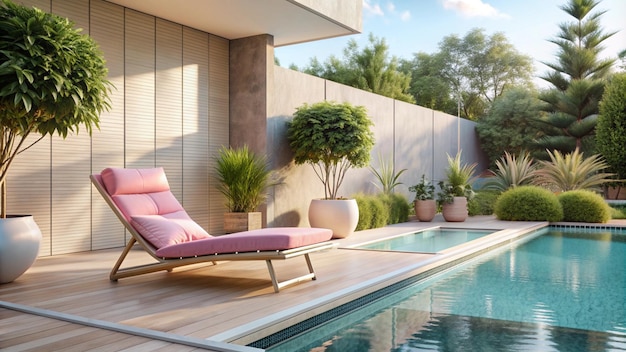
{"type": "Point", "coordinates": [578, 78]}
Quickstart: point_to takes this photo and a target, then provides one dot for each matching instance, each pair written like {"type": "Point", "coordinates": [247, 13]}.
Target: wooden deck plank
{"type": "Point", "coordinates": [196, 302]}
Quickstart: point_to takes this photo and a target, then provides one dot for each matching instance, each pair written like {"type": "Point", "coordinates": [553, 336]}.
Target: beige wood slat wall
{"type": "Point", "coordinates": [107, 28]}
{"type": "Point", "coordinates": [168, 103]}
{"type": "Point", "coordinates": [195, 124]}
{"type": "Point", "coordinates": [218, 126]}
{"type": "Point", "coordinates": [139, 104]}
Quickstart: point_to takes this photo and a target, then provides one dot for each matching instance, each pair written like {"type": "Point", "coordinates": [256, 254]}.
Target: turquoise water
{"type": "Point", "coordinates": [427, 241]}
{"type": "Point", "coordinates": [561, 291]}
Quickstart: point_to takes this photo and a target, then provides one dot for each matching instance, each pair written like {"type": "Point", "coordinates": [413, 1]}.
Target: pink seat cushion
{"type": "Point", "coordinates": [168, 229]}
{"type": "Point", "coordinates": [268, 239]}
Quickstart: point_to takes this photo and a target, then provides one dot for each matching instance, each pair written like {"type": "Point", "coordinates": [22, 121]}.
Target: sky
{"type": "Point", "coordinates": [412, 26]}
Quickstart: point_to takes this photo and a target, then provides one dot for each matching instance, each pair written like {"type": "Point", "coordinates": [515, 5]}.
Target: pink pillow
{"type": "Point", "coordinates": [132, 181]}
{"type": "Point", "coordinates": [168, 229]}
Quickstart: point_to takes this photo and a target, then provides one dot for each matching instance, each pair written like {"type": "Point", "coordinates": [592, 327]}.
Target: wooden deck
{"type": "Point", "coordinates": [67, 301]}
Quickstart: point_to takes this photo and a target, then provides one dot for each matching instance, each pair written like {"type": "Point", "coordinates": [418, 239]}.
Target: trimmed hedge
{"type": "Point", "coordinates": [379, 210]}
{"type": "Point", "coordinates": [528, 203]}
{"type": "Point", "coordinates": [584, 206]}
{"type": "Point", "coordinates": [482, 203]}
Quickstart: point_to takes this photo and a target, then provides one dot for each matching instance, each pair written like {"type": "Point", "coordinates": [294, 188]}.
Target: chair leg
{"type": "Point", "coordinates": [278, 285]}
{"type": "Point", "coordinates": [113, 275]}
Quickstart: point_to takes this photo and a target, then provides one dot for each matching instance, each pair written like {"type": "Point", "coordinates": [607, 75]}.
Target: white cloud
{"type": "Point", "coordinates": [373, 9]}
{"type": "Point", "coordinates": [405, 16]}
{"type": "Point", "coordinates": [473, 8]}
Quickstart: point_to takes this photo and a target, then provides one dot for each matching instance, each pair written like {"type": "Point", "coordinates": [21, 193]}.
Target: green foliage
{"type": "Point", "coordinates": [387, 176]}
{"type": "Point", "coordinates": [332, 137]}
{"type": "Point", "coordinates": [423, 190]}
{"type": "Point", "coordinates": [577, 79]}
{"type": "Point", "coordinates": [243, 178]}
{"type": "Point", "coordinates": [475, 69]}
{"type": "Point", "coordinates": [584, 206]}
{"type": "Point", "coordinates": [52, 80]}
{"type": "Point", "coordinates": [512, 172]}
{"type": "Point", "coordinates": [370, 69]}
{"type": "Point", "coordinates": [571, 171]}
{"type": "Point", "coordinates": [618, 212]}
{"type": "Point", "coordinates": [398, 207]}
{"type": "Point", "coordinates": [611, 129]}
{"type": "Point", "coordinates": [482, 203]}
{"type": "Point", "coordinates": [381, 209]}
{"type": "Point", "coordinates": [509, 125]}
{"type": "Point", "coordinates": [528, 203]}
{"type": "Point", "coordinates": [458, 180]}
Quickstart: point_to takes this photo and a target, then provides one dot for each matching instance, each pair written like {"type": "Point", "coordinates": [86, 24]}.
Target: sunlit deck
{"type": "Point", "coordinates": [67, 301]}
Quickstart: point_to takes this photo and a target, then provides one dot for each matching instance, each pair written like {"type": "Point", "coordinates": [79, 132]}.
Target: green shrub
{"type": "Point", "coordinates": [584, 206]}
{"type": "Point", "coordinates": [618, 212]}
{"type": "Point", "coordinates": [379, 210]}
{"type": "Point", "coordinates": [365, 212]}
{"type": "Point", "coordinates": [528, 203]}
{"type": "Point", "coordinates": [482, 203]}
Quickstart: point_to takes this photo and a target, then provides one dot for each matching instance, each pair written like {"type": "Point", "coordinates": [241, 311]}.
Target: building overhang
{"type": "Point", "coordinates": [288, 21]}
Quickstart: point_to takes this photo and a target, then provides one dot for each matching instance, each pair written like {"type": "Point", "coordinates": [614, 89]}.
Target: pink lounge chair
{"type": "Point", "coordinates": [142, 200]}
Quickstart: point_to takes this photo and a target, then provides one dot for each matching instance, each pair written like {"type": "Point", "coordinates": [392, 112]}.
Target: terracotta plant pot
{"type": "Point", "coordinates": [339, 215]}
{"type": "Point", "coordinates": [455, 211]}
{"type": "Point", "coordinates": [425, 210]}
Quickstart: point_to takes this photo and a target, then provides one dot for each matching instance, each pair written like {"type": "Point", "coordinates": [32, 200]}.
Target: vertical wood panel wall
{"type": "Point", "coordinates": [169, 108]}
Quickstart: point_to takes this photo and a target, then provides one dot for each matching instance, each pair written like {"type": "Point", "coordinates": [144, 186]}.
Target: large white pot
{"type": "Point", "coordinates": [339, 215]}
{"type": "Point", "coordinates": [19, 246]}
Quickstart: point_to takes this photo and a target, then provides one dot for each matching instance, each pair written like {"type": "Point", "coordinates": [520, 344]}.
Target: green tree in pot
{"type": "Point", "coordinates": [244, 178]}
{"type": "Point", "coordinates": [456, 189]}
{"type": "Point", "coordinates": [52, 81]}
{"type": "Point", "coordinates": [424, 203]}
{"type": "Point", "coordinates": [332, 137]}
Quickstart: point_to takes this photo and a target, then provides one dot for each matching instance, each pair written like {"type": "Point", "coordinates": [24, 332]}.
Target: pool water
{"type": "Point", "coordinates": [427, 241]}
{"type": "Point", "coordinates": [561, 291]}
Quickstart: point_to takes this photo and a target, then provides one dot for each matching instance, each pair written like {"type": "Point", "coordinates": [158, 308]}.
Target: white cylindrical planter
{"type": "Point", "coordinates": [19, 246]}
{"type": "Point", "coordinates": [339, 215]}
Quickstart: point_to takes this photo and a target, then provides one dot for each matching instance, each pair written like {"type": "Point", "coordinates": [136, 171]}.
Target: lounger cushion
{"type": "Point", "coordinates": [132, 181]}
{"type": "Point", "coordinates": [168, 229]}
{"type": "Point", "coordinates": [268, 239]}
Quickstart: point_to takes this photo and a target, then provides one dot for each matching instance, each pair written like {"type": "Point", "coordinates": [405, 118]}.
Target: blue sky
{"type": "Point", "coordinates": [412, 26]}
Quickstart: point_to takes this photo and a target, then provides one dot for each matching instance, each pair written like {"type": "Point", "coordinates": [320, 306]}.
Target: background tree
{"type": "Point", "coordinates": [370, 69]}
{"type": "Point", "coordinates": [577, 80]}
{"type": "Point", "coordinates": [611, 129]}
{"type": "Point", "coordinates": [474, 70]}
{"type": "Point", "coordinates": [510, 125]}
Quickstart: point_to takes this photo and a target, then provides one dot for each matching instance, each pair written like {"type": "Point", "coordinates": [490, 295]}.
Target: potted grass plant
{"type": "Point", "coordinates": [456, 189]}
{"type": "Point", "coordinates": [332, 138]}
{"type": "Point", "coordinates": [52, 81]}
{"type": "Point", "coordinates": [243, 178]}
{"type": "Point", "coordinates": [424, 203]}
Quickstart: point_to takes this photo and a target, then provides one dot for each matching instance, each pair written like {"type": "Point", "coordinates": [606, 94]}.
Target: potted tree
{"type": "Point", "coordinates": [244, 178]}
{"type": "Point", "coordinates": [456, 189]}
{"type": "Point", "coordinates": [332, 137]}
{"type": "Point", "coordinates": [52, 81]}
{"type": "Point", "coordinates": [424, 203]}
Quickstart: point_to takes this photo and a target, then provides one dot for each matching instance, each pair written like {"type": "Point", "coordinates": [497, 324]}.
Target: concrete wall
{"type": "Point", "coordinates": [415, 138]}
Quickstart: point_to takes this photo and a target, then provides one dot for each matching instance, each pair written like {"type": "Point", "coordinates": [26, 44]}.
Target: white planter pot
{"type": "Point", "coordinates": [339, 215]}
{"type": "Point", "coordinates": [19, 246]}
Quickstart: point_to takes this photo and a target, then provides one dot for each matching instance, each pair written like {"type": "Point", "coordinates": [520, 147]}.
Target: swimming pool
{"type": "Point", "coordinates": [426, 241]}
{"type": "Point", "coordinates": [563, 290]}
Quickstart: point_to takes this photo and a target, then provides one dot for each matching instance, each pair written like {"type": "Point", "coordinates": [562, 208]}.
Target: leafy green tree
{"type": "Point", "coordinates": [52, 81]}
{"type": "Point", "coordinates": [611, 129]}
{"type": "Point", "coordinates": [509, 126]}
{"type": "Point", "coordinates": [577, 80]}
{"type": "Point", "coordinates": [473, 70]}
{"type": "Point", "coordinates": [370, 69]}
